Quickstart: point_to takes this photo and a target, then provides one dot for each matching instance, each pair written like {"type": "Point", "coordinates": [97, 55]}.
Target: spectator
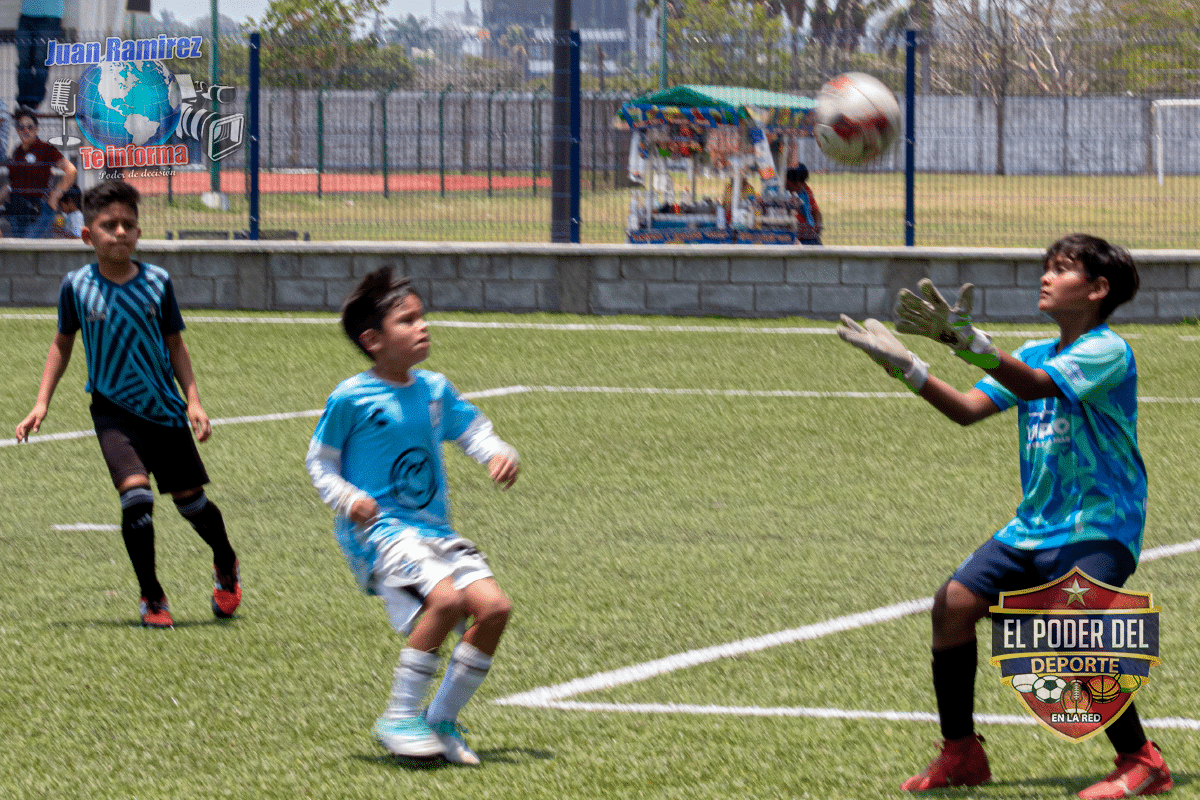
{"type": "Point", "coordinates": [32, 202]}
{"type": "Point", "coordinates": [68, 224]}
{"type": "Point", "coordinates": [808, 214]}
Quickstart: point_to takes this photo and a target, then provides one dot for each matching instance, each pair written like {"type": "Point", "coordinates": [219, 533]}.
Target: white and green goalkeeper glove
{"type": "Point", "coordinates": [885, 349]}
{"type": "Point", "coordinates": [933, 317]}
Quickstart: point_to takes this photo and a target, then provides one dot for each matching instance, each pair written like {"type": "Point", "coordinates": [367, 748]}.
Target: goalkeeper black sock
{"type": "Point", "coordinates": [1126, 732]}
{"type": "Point", "coordinates": [137, 529]}
{"type": "Point", "coordinates": [954, 687]}
{"type": "Point", "coordinates": [205, 518]}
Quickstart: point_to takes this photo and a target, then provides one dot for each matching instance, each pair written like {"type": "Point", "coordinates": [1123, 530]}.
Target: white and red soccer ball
{"type": "Point", "coordinates": [856, 118]}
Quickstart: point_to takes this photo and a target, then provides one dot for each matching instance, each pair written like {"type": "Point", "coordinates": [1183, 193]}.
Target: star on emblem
{"type": "Point", "coordinates": [1075, 593]}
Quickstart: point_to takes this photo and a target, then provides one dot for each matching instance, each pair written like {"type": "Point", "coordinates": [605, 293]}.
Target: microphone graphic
{"type": "Point", "coordinates": [61, 96]}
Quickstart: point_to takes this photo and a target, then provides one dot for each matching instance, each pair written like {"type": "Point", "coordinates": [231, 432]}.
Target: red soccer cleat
{"type": "Point", "coordinates": [156, 614]}
{"type": "Point", "coordinates": [962, 762]}
{"type": "Point", "coordinates": [1137, 774]}
{"type": "Point", "coordinates": [227, 592]}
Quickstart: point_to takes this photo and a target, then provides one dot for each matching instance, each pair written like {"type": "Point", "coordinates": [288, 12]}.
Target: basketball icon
{"type": "Point", "coordinates": [1103, 688]}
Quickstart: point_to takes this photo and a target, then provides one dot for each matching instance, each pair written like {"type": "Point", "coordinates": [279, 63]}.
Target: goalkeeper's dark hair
{"type": "Point", "coordinates": [375, 295]}
{"type": "Point", "coordinates": [1100, 260]}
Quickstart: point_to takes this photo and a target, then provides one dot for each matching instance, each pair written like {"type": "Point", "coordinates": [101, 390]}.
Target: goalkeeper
{"type": "Point", "coordinates": [1082, 477]}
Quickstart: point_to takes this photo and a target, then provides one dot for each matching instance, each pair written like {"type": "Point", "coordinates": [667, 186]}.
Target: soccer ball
{"type": "Point", "coordinates": [1049, 688]}
{"type": "Point", "coordinates": [1076, 698]}
{"type": "Point", "coordinates": [857, 118]}
{"type": "Point", "coordinates": [1024, 682]}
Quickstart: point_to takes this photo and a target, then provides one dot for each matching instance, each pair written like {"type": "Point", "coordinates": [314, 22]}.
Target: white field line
{"type": "Point", "coordinates": [510, 390]}
{"type": "Point", "coordinates": [555, 696]}
{"type": "Point", "coordinates": [573, 326]}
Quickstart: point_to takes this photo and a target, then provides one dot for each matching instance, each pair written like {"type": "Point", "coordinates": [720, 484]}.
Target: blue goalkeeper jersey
{"type": "Point", "coordinates": [124, 328]}
{"type": "Point", "coordinates": [388, 438]}
{"type": "Point", "coordinates": [1081, 472]}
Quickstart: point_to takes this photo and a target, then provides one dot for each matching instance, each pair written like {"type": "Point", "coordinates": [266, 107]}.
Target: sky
{"type": "Point", "coordinates": [238, 10]}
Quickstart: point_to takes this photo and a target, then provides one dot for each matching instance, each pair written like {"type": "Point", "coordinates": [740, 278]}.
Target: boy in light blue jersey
{"type": "Point", "coordinates": [1082, 478]}
{"type": "Point", "coordinates": [136, 365]}
{"type": "Point", "coordinates": [376, 459]}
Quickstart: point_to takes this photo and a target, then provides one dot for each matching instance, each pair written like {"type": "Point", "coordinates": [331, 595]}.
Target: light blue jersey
{"type": "Point", "coordinates": [123, 327]}
{"type": "Point", "coordinates": [385, 440]}
{"type": "Point", "coordinates": [1081, 472]}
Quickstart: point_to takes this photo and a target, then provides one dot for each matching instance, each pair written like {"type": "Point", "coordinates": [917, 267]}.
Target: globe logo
{"type": "Point", "coordinates": [125, 103]}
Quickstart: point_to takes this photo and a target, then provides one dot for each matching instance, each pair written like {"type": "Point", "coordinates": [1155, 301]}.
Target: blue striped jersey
{"type": "Point", "coordinates": [123, 328]}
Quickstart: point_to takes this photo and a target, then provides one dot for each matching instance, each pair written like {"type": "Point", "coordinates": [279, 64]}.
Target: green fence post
{"type": "Point", "coordinates": [442, 138]}
{"type": "Point", "coordinates": [491, 95]}
{"type": "Point", "coordinates": [504, 138]}
{"type": "Point", "coordinates": [466, 142]}
{"type": "Point", "coordinates": [320, 138]}
{"type": "Point", "coordinates": [536, 143]}
{"type": "Point", "coordinates": [383, 114]}
{"type": "Point", "coordinates": [371, 141]}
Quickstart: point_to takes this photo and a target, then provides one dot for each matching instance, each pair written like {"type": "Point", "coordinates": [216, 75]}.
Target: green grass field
{"type": "Point", "coordinates": [859, 209]}
{"type": "Point", "coordinates": [684, 486]}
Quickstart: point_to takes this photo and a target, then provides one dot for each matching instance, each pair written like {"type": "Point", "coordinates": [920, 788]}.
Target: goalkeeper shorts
{"type": "Point", "coordinates": [997, 567]}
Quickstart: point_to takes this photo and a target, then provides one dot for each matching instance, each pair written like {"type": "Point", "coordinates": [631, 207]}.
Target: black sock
{"type": "Point", "coordinates": [137, 529]}
{"type": "Point", "coordinates": [205, 518]}
{"type": "Point", "coordinates": [1125, 732]}
{"type": "Point", "coordinates": [954, 687]}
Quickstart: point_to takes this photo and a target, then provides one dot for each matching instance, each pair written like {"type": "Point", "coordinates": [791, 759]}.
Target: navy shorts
{"type": "Point", "coordinates": [997, 567]}
{"type": "Point", "coordinates": [136, 446]}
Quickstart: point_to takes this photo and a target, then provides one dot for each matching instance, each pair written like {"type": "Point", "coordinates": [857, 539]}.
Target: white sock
{"type": "Point", "coordinates": [467, 668]}
{"type": "Point", "coordinates": [411, 683]}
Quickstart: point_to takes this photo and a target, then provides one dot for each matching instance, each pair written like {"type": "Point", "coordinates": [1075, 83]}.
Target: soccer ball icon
{"type": "Point", "coordinates": [1049, 688]}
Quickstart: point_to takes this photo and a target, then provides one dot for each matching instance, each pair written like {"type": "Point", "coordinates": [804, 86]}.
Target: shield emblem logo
{"type": "Point", "coordinates": [1075, 651]}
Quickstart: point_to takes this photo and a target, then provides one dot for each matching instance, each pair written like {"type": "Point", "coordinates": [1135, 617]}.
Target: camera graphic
{"type": "Point", "coordinates": [222, 133]}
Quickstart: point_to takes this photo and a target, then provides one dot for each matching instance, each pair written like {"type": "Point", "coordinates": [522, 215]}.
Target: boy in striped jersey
{"type": "Point", "coordinates": [132, 339]}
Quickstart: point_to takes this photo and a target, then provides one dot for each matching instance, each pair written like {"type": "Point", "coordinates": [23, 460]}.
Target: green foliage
{"type": "Point", "coordinates": [309, 45]}
{"type": "Point", "coordinates": [724, 43]}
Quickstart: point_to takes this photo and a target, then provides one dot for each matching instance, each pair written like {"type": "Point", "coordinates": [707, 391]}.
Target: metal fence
{"type": "Point", "coordinates": [452, 140]}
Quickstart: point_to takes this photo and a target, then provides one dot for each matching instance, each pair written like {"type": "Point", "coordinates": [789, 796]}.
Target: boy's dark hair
{"type": "Point", "coordinates": [74, 195]}
{"type": "Point", "coordinates": [797, 174]}
{"type": "Point", "coordinates": [1100, 260]}
{"type": "Point", "coordinates": [105, 194]}
{"type": "Point", "coordinates": [375, 295]}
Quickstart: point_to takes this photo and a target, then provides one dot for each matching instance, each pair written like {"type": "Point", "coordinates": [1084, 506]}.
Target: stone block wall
{"type": "Point", "coordinates": [683, 280]}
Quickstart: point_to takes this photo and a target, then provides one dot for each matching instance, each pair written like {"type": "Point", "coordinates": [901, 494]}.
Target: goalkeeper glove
{"type": "Point", "coordinates": [933, 317]}
{"type": "Point", "coordinates": [886, 350]}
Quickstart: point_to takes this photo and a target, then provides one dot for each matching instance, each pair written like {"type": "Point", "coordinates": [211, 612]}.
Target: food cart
{"type": "Point", "coordinates": [696, 154]}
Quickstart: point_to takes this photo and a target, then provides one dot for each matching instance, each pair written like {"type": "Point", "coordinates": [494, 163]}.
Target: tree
{"type": "Point", "coordinates": [313, 45]}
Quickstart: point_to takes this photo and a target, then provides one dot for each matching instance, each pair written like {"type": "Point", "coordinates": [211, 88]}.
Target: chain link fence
{"type": "Point", "coordinates": [449, 137]}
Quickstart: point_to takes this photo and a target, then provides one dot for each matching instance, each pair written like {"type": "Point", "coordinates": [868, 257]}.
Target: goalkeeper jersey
{"type": "Point", "coordinates": [1081, 472]}
{"type": "Point", "coordinates": [123, 327]}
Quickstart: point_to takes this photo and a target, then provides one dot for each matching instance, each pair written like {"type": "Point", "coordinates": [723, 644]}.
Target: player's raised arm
{"type": "Point", "coordinates": [886, 350]}
{"type": "Point", "coordinates": [934, 318]}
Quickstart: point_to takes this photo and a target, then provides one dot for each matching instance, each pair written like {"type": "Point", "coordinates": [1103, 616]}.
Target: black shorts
{"type": "Point", "coordinates": [997, 567]}
{"type": "Point", "coordinates": [135, 446]}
